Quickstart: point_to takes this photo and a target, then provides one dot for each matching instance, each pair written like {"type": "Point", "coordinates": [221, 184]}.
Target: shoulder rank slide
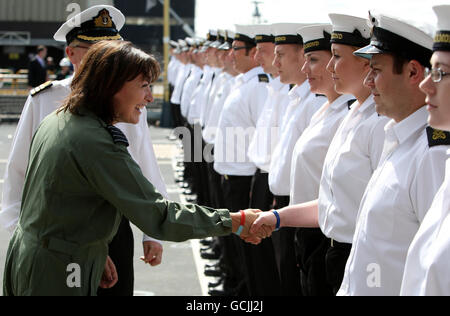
{"type": "Point", "coordinates": [41, 88]}
{"type": "Point", "coordinates": [437, 137]}
{"type": "Point", "coordinates": [117, 135]}
{"type": "Point", "coordinates": [263, 78]}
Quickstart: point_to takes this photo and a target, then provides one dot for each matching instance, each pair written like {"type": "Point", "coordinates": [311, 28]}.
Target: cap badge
{"type": "Point", "coordinates": [103, 19]}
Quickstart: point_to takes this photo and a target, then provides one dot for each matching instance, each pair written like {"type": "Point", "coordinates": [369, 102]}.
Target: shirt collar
{"type": "Point", "coordinates": [196, 69]}
{"type": "Point", "coordinates": [40, 60]}
{"type": "Point", "coordinates": [276, 84]}
{"type": "Point", "coordinates": [300, 91]}
{"type": "Point", "coordinates": [252, 73]}
{"type": "Point", "coordinates": [409, 126]}
{"type": "Point", "coordinates": [341, 100]}
{"type": "Point", "coordinates": [368, 103]}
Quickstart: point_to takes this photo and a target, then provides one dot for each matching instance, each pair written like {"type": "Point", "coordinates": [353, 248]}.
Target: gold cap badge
{"type": "Point", "coordinates": [103, 19]}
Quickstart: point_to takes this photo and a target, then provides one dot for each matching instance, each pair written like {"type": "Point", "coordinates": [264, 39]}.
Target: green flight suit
{"type": "Point", "coordinates": [80, 181]}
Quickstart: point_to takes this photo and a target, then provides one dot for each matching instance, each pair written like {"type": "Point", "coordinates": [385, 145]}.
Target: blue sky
{"type": "Point", "coordinates": [224, 14]}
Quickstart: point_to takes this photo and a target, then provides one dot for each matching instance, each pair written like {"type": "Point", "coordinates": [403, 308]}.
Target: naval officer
{"type": "Point", "coordinates": [353, 154]}
{"type": "Point", "coordinates": [428, 256]}
{"type": "Point", "coordinates": [393, 207]}
{"type": "Point", "coordinates": [260, 263]}
{"type": "Point", "coordinates": [236, 125]}
{"type": "Point", "coordinates": [289, 60]}
{"type": "Point", "coordinates": [310, 151]}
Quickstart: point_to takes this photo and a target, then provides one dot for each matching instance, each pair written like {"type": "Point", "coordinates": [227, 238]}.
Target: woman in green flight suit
{"type": "Point", "coordinates": [81, 180]}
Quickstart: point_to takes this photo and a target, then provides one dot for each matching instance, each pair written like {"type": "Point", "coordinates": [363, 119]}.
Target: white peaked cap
{"type": "Point", "coordinates": [316, 37]}
{"type": "Point", "coordinates": [279, 29]}
{"type": "Point", "coordinates": [262, 29]}
{"type": "Point", "coordinates": [442, 37]}
{"type": "Point", "coordinates": [443, 15]}
{"type": "Point", "coordinates": [244, 30]}
{"type": "Point", "coordinates": [348, 24]}
{"type": "Point", "coordinates": [314, 32]}
{"type": "Point", "coordinates": [88, 15]}
{"type": "Point", "coordinates": [420, 34]}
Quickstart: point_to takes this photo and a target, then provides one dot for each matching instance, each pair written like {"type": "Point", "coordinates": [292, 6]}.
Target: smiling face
{"type": "Point", "coordinates": [390, 88]}
{"type": "Point", "coordinates": [131, 99]}
{"type": "Point", "coordinates": [315, 68]}
{"type": "Point", "coordinates": [347, 70]}
{"type": "Point", "coordinates": [438, 93]}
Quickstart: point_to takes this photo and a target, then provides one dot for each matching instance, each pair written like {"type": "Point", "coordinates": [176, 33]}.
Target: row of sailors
{"type": "Point", "coordinates": [351, 159]}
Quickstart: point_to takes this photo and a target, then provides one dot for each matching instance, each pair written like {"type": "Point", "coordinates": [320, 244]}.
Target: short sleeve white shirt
{"type": "Point", "coordinates": [303, 105]}
{"type": "Point", "coordinates": [266, 135]}
{"type": "Point", "coordinates": [427, 262]}
{"type": "Point", "coordinates": [396, 200]}
{"type": "Point", "coordinates": [351, 159]}
{"type": "Point", "coordinates": [237, 125]}
{"type": "Point", "coordinates": [311, 148]}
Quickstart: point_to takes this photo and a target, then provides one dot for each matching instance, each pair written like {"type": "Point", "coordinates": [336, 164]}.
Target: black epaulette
{"type": "Point", "coordinates": [350, 103]}
{"type": "Point", "coordinates": [263, 78]}
{"type": "Point", "coordinates": [437, 137]}
{"type": "Point", "coordinates": [117, 135]}
{"type": "Point", "coordinates": [41, 88]}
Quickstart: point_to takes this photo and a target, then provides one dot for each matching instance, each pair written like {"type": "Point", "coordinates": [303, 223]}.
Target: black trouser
{"type": "Point", "coordinates": [236, 193]}
{"type": "Point", "coordinates": [176, 115]}
{"type": "Point", "coordinates": [195, 172]}
{"type": "Point", "coordinates": [121, 251]}
{"type": "Point", "coordinates": [335, 259]}
{"type": "Point", "coordinates": [199, 166]}
{"type": "Point", "coordinates": [284, 244]}
{"type": "Point", "coordinates": [215, 183]}
{"type": "Point", "coordinates": [260, 263]}
{"type": "Point", "coordinates": [311, 248]}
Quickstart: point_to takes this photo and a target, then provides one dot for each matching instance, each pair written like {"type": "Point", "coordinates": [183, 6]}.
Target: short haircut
{"type": "Point", "coordinates": [399, 63]}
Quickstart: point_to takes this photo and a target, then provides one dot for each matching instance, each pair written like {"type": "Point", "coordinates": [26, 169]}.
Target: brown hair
{"type": "Point", "coordinates": [105, 68]}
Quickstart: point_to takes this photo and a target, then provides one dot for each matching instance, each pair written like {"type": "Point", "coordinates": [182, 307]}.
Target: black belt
{"type": "Point", "coordinates": [341, 245]}
{"type": "Point", "coordinates": [227, 177]}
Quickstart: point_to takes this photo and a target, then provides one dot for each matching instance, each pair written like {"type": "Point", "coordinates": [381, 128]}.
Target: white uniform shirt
{"type": "Point", "coordinates": [189, 87]}
{"type": "Point", "coordinates": [211, 91]}
{"type": "Point", "coordinates": [427, 262]}
{"type": "Point", "coordinates": [303, 105]}
{"type": "Point", "coordinates": [182, 75]}
{"type": "Point", "coordinates": [200, 96]}
{"type": "Point", "coordinates": [172, 70]}
{"type": "Point", "coordinates": [239, 116]}
{"type": "Point", "coordinates": [266, 135]}
{"type": "Point", "coordinates": [312, 147]}
{"type": "Point", "coordinates": [398, 196]}
{"type": "Point", "coordinates": [352, 158]}
{"type": "Point", "coordinates": [226, 83]}
{"type": "Point", "coordinates": [35, 110]}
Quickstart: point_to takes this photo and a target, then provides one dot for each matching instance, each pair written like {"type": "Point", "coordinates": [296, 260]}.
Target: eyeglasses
{"type": "Point", "coordinates": [436, 74]}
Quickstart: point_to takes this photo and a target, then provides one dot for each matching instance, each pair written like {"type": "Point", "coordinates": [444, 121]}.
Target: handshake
{"type": "Point", "coordinates": [254, 225]}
